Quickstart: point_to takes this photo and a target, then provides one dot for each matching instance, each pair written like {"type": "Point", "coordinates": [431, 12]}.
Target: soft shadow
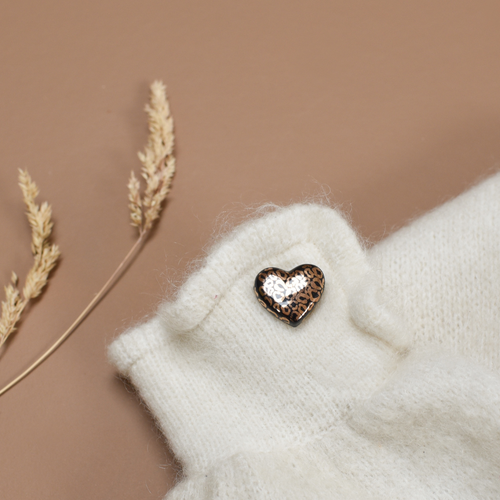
{"type": "Point", "coordinates": [172, 466]}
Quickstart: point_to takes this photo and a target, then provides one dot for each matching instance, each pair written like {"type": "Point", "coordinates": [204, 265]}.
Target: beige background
{"type": "Point", "coordinates": [389, 107]}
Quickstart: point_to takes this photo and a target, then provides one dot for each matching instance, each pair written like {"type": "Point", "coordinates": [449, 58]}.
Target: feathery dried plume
{"type": "Point", "coordinates": [158, 168]}
{"type": "Point", "coordinates": [134, 198]}
{"type": "Point", "coordinates": [158, 162]}
{"type": "Point", "coordinates": [45, 258]}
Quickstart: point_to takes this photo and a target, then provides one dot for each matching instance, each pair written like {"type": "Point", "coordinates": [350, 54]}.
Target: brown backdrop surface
{"type": "Point", "coordinates": [388, 107]}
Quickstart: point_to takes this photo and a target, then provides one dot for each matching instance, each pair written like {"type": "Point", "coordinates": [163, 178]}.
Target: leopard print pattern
{"type": "Point", "coordinates": [290, 296]}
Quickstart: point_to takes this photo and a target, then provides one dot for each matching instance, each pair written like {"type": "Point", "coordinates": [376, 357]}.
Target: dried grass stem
{"type": "Point", "coordinates": [158, 168]}
{"type": "Point", "coordinates": [45, 257]}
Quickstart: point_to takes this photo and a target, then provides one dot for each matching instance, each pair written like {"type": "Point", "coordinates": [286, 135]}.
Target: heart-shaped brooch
{"type": "Point", "coordinates": [290, 296]}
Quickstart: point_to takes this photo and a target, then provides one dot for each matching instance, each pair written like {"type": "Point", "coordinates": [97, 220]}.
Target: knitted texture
{"type": "Point", "coordinates": [442, 274]}
{"type": "Point", "coordinates": [352, 404]}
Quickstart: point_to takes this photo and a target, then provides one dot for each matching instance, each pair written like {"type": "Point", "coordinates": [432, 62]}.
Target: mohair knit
{"type": "Point", "coordinates": [389, 390]}
{"type": "Point", "coordinates": [442, 274]}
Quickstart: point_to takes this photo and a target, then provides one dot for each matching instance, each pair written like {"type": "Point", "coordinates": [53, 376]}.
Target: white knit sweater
{"type": "Point", "coordinates": [389, 390]}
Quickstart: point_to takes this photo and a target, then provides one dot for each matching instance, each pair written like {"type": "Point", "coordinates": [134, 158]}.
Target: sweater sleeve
{"type": "Point", "coordinates": [255, 409]}
{"type": "Point", "coordinates": [224, 378]}
{"type": "Point", "coordinates": [442, 274]}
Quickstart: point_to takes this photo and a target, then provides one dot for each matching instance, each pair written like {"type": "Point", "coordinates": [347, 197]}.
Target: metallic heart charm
{"type": "Point", "coordinates": [290, 296]}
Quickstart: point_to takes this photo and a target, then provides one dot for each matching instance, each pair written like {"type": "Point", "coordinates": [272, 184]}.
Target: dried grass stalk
{"type": "Point", "coordinates": [45, 256]}
{"type": "Point", "coordinates": [158, 162]}
{"type": "Point", "coordinates": [134, 198]}
{"type": "Point", "coordinates": [158, 168]}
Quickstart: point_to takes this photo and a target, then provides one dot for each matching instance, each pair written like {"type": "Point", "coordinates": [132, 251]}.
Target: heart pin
{"type": "Point", "coordinates": [290, 296]}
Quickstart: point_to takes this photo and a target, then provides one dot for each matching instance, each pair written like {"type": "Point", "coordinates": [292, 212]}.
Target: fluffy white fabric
{"type": "Point", "coordinates": [388, 389]}
{"type": "Point", "coordinates": [442, 275]}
